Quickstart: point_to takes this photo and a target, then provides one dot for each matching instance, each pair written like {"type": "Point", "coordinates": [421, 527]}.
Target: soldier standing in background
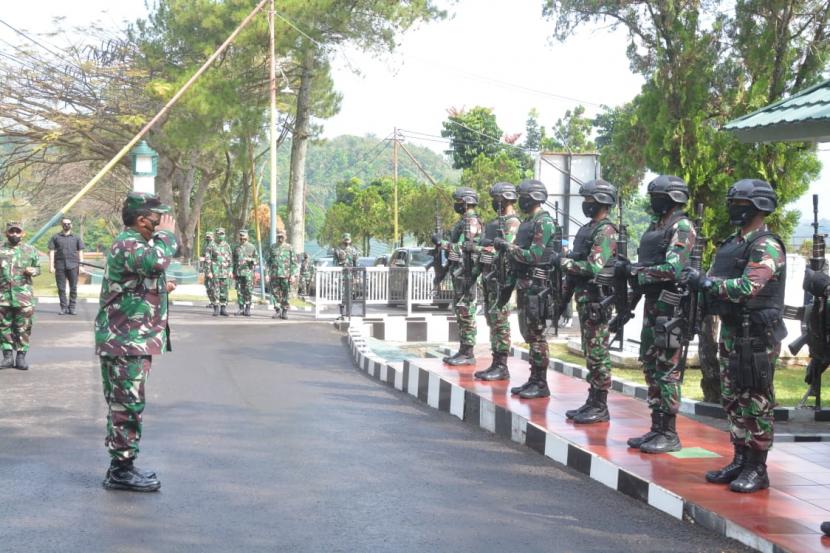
{"type": "Point", "coordinates": [244, 266]}
{"type": "Point", "coordinates": [595, 246]}
{"type": "Point", "coordinates": [346, 257]}
{"type": "Point", "coordinates": [664, 252]}
{"type": "Point", "coordinates": [305, 275]}
{"type": "Point", "coordinates": [18, 264]}
{"type": "Point", "coordinates": [282, 270]}
{"type": "Point", "coordinates": [462, 253]}
{"type": "Point", "coordinates": [219, 265]}
{"type": "Point", "coordinates": [66, 253]}
{"type": "Point", "coordinates": [531, 255]}
{"type": "Point", "coordinates": [494, 267]}
{"type": "Point", "coordinates": [745, 287]}
{"type": "Point", "coordinates": [210, 287]}
{"type": "Point", "coordinates": [131, 327]}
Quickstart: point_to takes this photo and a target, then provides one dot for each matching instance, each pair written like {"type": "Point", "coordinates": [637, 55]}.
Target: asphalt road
{"type": "Point", "coordinates": [266, 439]}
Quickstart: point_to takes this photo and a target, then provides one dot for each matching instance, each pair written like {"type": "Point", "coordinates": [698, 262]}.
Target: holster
{"type": "Point", "coordinates": [668, 333]}
{"type": "Point", "coordinates": [537, 305]}
{"type": "Point", "coordinates": [749, 366]}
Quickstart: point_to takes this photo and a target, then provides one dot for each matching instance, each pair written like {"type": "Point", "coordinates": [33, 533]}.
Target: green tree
{"type": "Point", "coordinates": [571, 133]}
{"type": "Point", "coordinates": [534, 132]}
{"type": "Point", "coordinates": [485, 172]}
{"type": "Point", "coordinates": [472, 133]}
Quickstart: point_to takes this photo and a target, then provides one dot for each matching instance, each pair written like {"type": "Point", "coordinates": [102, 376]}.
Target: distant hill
{"type": "Point", "coordinates": [804, 231]}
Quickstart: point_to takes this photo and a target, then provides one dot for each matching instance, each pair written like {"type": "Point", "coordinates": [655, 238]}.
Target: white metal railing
{"type": "Point", "coordinates": [405, 286]}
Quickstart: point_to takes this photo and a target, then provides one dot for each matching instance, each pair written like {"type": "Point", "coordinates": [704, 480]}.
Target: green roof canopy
{"type": "Point", "coordinates": [803, 117]}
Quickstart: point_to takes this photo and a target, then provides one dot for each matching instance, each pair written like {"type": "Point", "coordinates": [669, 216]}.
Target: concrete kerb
{"type": "Point", "coordinates": [445, 396]}
{"type": "Point", "coordinates": [264, 307]}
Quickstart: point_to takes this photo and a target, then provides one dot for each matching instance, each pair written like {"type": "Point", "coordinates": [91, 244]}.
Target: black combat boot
{"type": "Point", "coordinates": [8, 359]}
{"type": "Point", "coordinates": [731, 471]}
{"type": "Point", "coordinates": [597, 411]}
{"type": "Point", "coordinates": [463, 357]}
{"type": "Point", "coordinates": [571, 413]}
{"type": "Point", "coordinates": [515, 390]}
{"type": "Point", "coordinates": [146, 473]}
{"type": "Point", "coordinates": [215, 310]}
{"type": "Point", "coordinates": [284, 313]}
{"type": "Point", "coordinates": [754, 475]}
{"type": "Point", "coordinates": [666, 440]}
{"type": "Point", "coordinates": [276, 314]}
{"type": "Point", "coordinates": [223, 311]}
{"type": "Point", "coordinates": [496, 371]}
{"type": "Point", "coordinates": [20, 362]}
{"type": "Point", "coordinates": [635, 443]}
{"type": "Point", "coordinates": [247, 310]}
{"type": "Point", "coordinates": [539, 387]}
{"type": "Point", "coordinates": [125, 476]}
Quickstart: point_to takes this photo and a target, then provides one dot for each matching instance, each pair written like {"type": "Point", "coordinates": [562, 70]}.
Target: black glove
{"type": "Point", "coordinates": [816, 283]}
{"type": "Point", "coordinates": [469, 246]}
{"type": "Point", "coordinates": [485, 242]}
{"type": "Point", "coordinates": [501, 244]}
{"type": "Point", "coordinates": [436, 238]}
{"type": "Point", "coordinates": [696, 280]}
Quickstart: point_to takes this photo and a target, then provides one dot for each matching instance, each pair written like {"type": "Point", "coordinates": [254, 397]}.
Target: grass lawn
{"type": "Point", "coordinates": [789, 381]}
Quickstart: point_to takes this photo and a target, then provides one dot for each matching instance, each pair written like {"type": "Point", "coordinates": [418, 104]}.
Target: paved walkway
{"type": "Point", "coordinates": [785, 517]}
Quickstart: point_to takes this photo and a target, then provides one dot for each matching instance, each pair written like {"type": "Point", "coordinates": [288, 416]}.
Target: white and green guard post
{"type": "Point", "coordinates": [144, 163]}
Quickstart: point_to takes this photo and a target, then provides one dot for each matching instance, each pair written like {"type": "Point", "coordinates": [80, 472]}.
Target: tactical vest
{"type": "Point", "coordinates": [491, 232]}
{"type": "Point", "coordinates": [524, 239]}
{"type": "Point", "coordinates": [655, 242]}
{"type": "Point", "coordinates": [584, 241]}
{"type": "Point", "coordinates": [730, 261]}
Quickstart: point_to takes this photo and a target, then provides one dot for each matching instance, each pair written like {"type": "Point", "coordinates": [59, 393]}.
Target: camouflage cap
{"type": "Point", "coordinates": [281, 233]}
{"type": "Point", "coordinates": [244, 233]}
{"type": "Point", "coordinates": [13, 224]}
{"type": "Point", "coordinates": [209, 234]}
{"type": "Point", "coordinates": [139, 201]}
{"type": "Point", "coordinates": [346, 236]}
{"type": "Point", "coordinates": [220, 230]}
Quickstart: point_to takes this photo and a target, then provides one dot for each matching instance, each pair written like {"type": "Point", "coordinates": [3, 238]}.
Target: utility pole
{"type": "Point", "coordinates": [395, 180]}
{"type": "Point", "coordinates": [273, 135]}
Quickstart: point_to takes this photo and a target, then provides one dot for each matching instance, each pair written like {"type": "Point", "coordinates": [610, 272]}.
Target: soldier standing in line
{"type": "Point", "coordinates": [282, 270]}
{"type": "Point", "coordinates": [18, 264]}
{"type": "Point", "coordinates": [497, 279]}
{"type": "Point", "coordinates": [305, 275]}
{"type": "Point", "coordinates": [595, 246]}
{"type": "Point", "coordinates": [346, 257]}
{"type": "Point", "coordinates": [244, 266]}
{"type": "Point", "coordinates": [131, 327]}
{"type": "Point", "coordinates": [210, 286]}
{"type": "Point", "coordinates": [664, 252]}
{"type": "Point", "coordinates": [219, 265]}
{"type": "Point", "coordinates": [531, 255]}
{"type": "Point", "coordinates": [745, 287]}
{"type": "Point", "coordinates": [462, 252]}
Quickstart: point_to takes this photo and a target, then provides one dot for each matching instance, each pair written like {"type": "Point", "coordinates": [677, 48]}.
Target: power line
{"type": "Point", "coordinates": [30, 39]}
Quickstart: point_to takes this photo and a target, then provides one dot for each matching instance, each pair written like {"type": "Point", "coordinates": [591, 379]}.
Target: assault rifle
{"type": "Point", "coordinates": [438, 265]}
{"type": "Point", "coordinates": [813, 317]}
{"type": "Point", "coordinates": [465, 272]}
{"type": "Point", "coordinates": [555, 277]}
{"type": "Point", "coordinates": [616, 276]}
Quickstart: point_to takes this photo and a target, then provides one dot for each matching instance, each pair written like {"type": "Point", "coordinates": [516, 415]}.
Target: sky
{"type": "Point", "coordinates": [493, 53]}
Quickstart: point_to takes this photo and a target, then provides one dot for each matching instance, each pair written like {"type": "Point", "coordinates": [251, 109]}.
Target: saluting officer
{"type": "Point", "coordinates": [664, 252]}
{"type": "Point", "coordinates": [595, 246]}
{"type": "Point", "coordinates": [745, 287]}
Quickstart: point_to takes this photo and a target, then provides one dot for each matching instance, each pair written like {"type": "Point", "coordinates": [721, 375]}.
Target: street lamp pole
{"type": "Point", "coordinates": [273, 134]}
{"type": "Point", "coordinates": [144, 164]}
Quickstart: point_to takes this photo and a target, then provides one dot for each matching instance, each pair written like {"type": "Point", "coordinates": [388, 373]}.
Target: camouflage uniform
{"type": "Point", "coordinates": [282, 267]}
{"type": "Point", "coordinates": [497, 317]}
{"type": "Point", "coordinates": [306, 268]}
{"type": "Point", "coordinates": [526, 252]}
{"type": "Point", "coordinates": [131, 327]}
{"type": "Point", "coordinates": [209, 285]}
{"type": "Point", "coordinates": [749, 411]}
{"type": "Point", "coordinates": [17, 304]}
{"type": "Point", "coordinates": [219, 264]}
{"type": "Point", "coordinates": [464, 301]}
{"type": "Point", "coordinates": [244, 266]}
{"type": "Point", "coordinates": [661, 366]}
{"type": "Point", "coordinates": [346, 256]}
{"type": "Point", "coordinates": [600, 247]}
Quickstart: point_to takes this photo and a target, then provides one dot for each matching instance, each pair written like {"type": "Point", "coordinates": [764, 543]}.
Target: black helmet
{"type": "Point", "coordinates": [759, 192]}
{"type": "Point", "coordinates": [503, 190]}
{"type": "Point", "coordinates": [465, 195]}
{"type": "Point", "coordinates": [601, 191]}
{"type": "Point", "coordinates": [673, 187]}
{"type": "Point", "coordinates": [535, 189]}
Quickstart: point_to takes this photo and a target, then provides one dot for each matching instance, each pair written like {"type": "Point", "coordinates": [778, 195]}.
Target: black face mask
{"type": "Point", "coordinates": [526, 203]}
{"type": "Point", "coordinates": [590, 209]}
{"type": "Point", "coordinates": [461, 209]}
{"type": "Point", "coordinates": [67, 227]}
{"type": "Point", "coordinates": [739, 215]}
{"type": "Point", "coordinates": [14, 239]}
{"type": "Point", "coordinates": [661, 204]}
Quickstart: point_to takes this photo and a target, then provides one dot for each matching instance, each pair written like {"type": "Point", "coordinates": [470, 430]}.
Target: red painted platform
{"type": "Point", "coordinates": [788, 514]}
